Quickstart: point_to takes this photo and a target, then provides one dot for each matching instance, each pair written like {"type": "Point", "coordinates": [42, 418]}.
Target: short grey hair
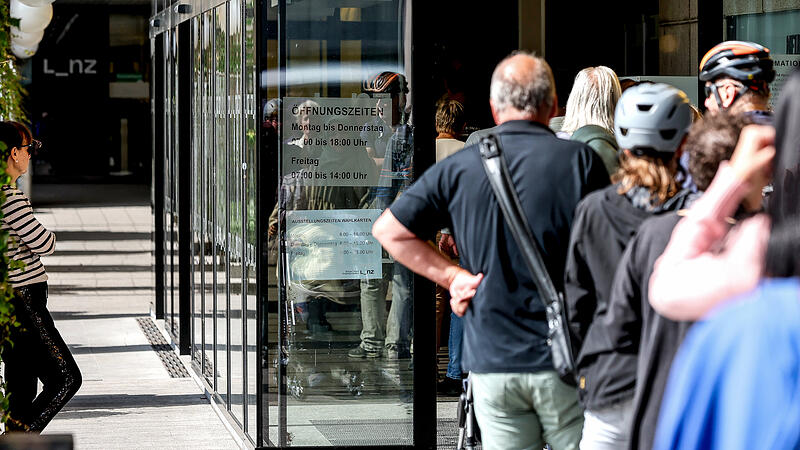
{"type": "Point", "coordinates": [527, 92]}
{"type": "Point", "coordinates": [593, 99]}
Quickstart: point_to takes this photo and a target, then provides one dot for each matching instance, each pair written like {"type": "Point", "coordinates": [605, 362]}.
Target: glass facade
{"type": "Point", "coordinates": [344, 309]}
{"type": "Point", "coordinates": [209, 186]}
{"type": "Point", "coordinates": [282, 129]}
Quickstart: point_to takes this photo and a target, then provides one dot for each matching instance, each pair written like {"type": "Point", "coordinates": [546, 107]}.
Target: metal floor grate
{"type": "Point", "coordinates": [356, 432]}
{"type": "Point", "coordinates": [365, 432]}
{"type": "Point", "coordinates": [162, 348]}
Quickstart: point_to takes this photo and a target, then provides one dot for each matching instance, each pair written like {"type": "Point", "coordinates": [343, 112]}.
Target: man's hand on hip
{"type": "Point", "coordinates": [462, 288]}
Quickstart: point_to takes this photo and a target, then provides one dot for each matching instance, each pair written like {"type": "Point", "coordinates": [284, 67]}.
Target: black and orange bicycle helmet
{"type": "Point", "coordinates": [389, 82]}
{"type": "Point", "coordinates": [743, 61]}
{"type": "Point", "coordinates": [746, 62]}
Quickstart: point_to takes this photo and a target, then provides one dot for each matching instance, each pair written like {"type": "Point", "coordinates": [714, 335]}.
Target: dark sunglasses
{"type": "Point", "coordinates": [709, 88]}
{"type": "Point", "coordinates": [34, 145]}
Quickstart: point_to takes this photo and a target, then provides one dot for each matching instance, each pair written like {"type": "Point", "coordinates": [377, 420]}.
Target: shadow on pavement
{"type": "Point", "coordinates": [89, 195]}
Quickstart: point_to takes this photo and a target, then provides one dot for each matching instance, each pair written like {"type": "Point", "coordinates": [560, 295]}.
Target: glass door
{"type": "Point", "coordinates": [340, 330]}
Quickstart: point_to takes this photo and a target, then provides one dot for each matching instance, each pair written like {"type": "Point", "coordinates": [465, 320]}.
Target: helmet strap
{"type": "Point", "coordinates": [739, 93]}
{"type": "Point", "coordinates": [715, 90]}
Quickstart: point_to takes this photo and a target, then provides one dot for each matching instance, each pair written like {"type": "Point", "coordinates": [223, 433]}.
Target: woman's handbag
{"type": "Point", "coordinates": [558, 335]}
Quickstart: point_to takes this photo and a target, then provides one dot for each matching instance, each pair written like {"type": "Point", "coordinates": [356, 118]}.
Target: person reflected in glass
{"type": "Point", "coordinates": [311, 297]}
{"type": "Point", "coordinates": [38, 352]}
{"type": "Point", "coordinates": [303, 129]}
{"type": "Point", "coordinates": [393, 337]}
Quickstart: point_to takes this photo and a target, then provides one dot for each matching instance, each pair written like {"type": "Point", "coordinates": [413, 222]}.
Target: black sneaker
{"type": "Point", "coordinates": [449, 387]}
{"type": "Point", "coordinates": [359, 352]}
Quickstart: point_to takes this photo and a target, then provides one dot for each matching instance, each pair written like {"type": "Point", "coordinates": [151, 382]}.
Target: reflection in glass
{"type": "Point", "coordinates": [167, 181]}
{"type": "Point", "coordinates": [250, 275]}
{"type": "Point", "coordinates": [175, 145]}
{"type": "Point", "coordinates": [197, 167]}
{"type": "Point", "coordinates": [221, 230]}
{"type": "Point", "coordinates": [170, 208]}
{"type": "Point", "coordinates": [344, 362]}
{"type": "Point", "coordinates": [236, 208]}
{"type": "Point", "coordinates": [208, 197]}
{"type": "Point", "coordinates": [268, 152]}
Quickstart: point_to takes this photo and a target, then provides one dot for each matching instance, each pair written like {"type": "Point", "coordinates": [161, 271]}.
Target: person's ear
{"type": "Point", "coordinates": [554, 108]}
{"type": "Point", "coordinates": [728, 94]}
{"type": "Point", "coordinates": [494, 111]}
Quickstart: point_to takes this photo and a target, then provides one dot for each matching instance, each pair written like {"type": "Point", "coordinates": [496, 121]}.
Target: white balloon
{"type": "Point", "coordinates": [23, 52]}
{"type": "Point", "coordinates": [35, 3]}
{"type": "Point", "coordinates": [31, 18]}
{"type": "Point", "coordinates": [26, 39]}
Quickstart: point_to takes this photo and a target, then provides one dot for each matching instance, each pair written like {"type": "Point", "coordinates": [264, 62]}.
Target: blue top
{"type": "Point", "coordinates": [505, 329]}
{"type": "Point", "coordinates": [735, 383]}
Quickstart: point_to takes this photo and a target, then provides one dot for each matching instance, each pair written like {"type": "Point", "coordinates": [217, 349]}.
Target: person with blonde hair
{"type": "Point", "coordinates": [590, 113]}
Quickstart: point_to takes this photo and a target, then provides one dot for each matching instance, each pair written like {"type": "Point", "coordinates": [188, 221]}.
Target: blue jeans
{"type": "Point", "coordinates": [454, 346]}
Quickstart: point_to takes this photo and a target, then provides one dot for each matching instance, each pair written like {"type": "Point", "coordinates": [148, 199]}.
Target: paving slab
{"type": "Point", "coordinates": [100, 283]}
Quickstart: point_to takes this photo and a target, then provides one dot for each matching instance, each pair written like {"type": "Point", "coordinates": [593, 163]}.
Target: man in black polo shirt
{"type": "Point", "coordinates": [519, 400]}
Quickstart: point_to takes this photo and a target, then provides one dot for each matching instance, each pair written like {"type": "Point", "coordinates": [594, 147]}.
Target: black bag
{"type": "Point", "coordinates": [558, 335]}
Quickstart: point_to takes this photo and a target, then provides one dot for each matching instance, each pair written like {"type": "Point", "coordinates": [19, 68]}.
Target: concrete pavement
{"type": "Point", "coordinates": [101, 281]}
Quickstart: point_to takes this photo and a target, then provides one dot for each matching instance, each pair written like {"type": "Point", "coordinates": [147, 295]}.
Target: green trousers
{"type": "Point", "coordinates": [526, 411]}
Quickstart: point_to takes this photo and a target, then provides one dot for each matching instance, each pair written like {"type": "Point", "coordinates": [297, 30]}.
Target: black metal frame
{"type": "Point", "coordinates": [282, 319]}
{"type": "Point", "coordinates": [423, 106]}
{"type": "Point", "coordinates": [184, 186]}
{"type": "Point", "coordinates": [158, 170]}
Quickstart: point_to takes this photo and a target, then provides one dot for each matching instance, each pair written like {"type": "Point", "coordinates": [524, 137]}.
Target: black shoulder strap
{"type": "Point", "coordinates": [500, 179]}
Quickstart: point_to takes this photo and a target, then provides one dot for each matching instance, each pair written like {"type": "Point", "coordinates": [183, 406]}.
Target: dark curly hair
{"type": "Point", "coordinates": [712, 140]}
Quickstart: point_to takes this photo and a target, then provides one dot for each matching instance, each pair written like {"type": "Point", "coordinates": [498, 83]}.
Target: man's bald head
{"type": "Point", "coordinates": [522, 88]}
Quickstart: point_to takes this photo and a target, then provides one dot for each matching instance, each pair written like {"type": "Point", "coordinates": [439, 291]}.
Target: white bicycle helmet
{"type": "Point", "coordinates": [652, 118]}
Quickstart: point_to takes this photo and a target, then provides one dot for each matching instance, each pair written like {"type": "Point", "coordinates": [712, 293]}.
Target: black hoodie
{"type": "Point", "coordinates": [659, 338]}
{"type": "Point", "coordinates": [604, 223]}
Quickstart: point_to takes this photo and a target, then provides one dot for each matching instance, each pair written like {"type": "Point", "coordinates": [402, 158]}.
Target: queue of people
{"type": "Point", "coordinates": [677, 264]}
{"type": "Point", "coordinates": [679, 271]}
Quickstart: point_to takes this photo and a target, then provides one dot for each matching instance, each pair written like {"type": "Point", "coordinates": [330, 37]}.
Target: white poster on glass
{"type": "Point", "coordinates": [784, 65]}
{"type": "Point", "coordinates": [334, 244]}
{"type": "Point", "coordinates": [331, 141]}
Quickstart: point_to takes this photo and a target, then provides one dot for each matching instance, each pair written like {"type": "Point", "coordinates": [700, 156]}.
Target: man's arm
{"type": "Point", "coordinates": [414, 253]}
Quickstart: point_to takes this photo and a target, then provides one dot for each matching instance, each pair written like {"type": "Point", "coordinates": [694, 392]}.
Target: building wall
{"type": "Point", "coordinates": [677, 34]}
